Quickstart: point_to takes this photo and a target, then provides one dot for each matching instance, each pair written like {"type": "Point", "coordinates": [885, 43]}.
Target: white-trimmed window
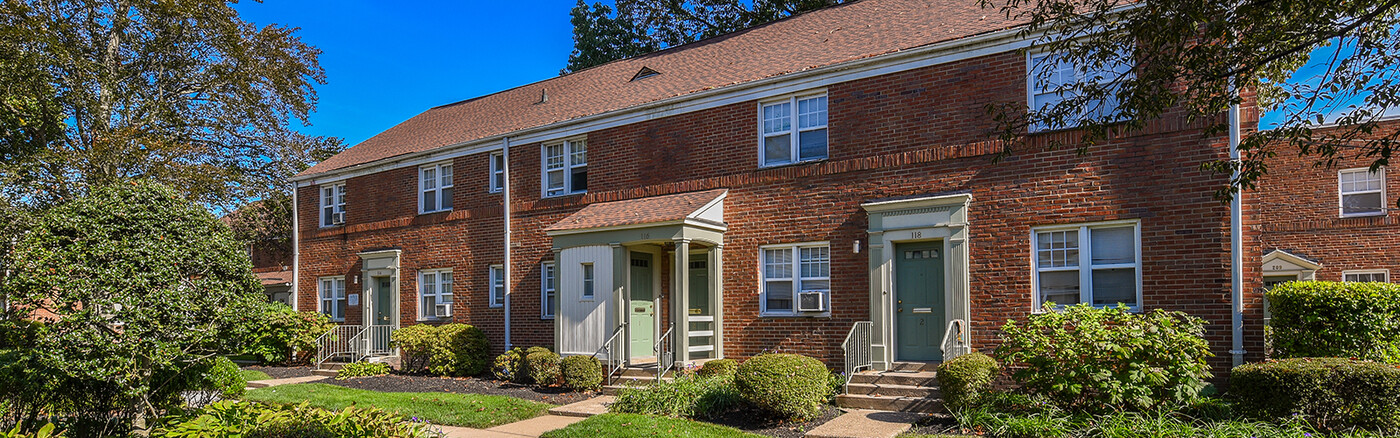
{"type": "Point", "coordinates": [498, 172]}
{"type": "Point", "coordinates": [1093, 263]}
{"type": "Point", "coordinates": [587, 281]}
{"type": "Point", "coordinates": [434, 288]}
{"type": "Point", "coordinates": [791, 269]}
{"type": "Point", "coordinates": [435, 185]}
{"type": "Point", "coordinates": [1361, 192]}
{"type": "Point", "coordinates": [1376, 275]}
{"type": "Point", "coordinates": [549, 299]}
{"type": "Point", "coordinates": [332, 297]}
{"type": "Point", "coordinates": [794, 130]}
{"type": "Point", "coordinates": [497, 277]}
{"type": "Point", "coordinates": [1051, 80]}
{"type": "Point", "coordinates": [332, 204]}
{"type": "Point", "coordinates": [565, 167]}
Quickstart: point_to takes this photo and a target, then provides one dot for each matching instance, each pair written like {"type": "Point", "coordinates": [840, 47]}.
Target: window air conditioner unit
{"type": "Point", "coordinates": [443, 310]}
{"type": "Point", "coordinates": [811, 301]}
{"type": "Point", "coordinates": [338, 218]}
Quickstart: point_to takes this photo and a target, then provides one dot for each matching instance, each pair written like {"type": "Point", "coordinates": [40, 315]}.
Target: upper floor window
{"type": "Point", "coordinates": [332, 204]}
{"type": "Point", "coordinates": [436, 187]}
{"type": "Point", "coordinates": [790, 270]}
{"type": "Point", "coordinates": [565, 168]}
{"type": "Point", "coordinates": [794, 130]}
{"type": "Point", "coordinates": [1053, 79]}
{"type": "Point", "coordinates": [332, 297]}
{"type": "Point", "coordinates": [498, 172]}
{"type": "Point", "coordinates": [1379, 275]}
{"type": "Point", "coordinates": [498, 286]}
{"type": "Point", "coordinates": [1361, 192]}
{"type": "Point", "coordinates": [435, 293]}
{"type": "Point", "coordinates": [548, 294]}
{"type": "Point", "coordinates": [1096, 263]}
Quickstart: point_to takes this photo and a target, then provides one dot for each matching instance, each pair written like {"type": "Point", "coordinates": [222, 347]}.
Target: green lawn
{"type": "Point", "coordinates": [251, 375]}
{"type": "Point", "coordinates": [638, 425]}
{"type": "Point", "coordinates": [467, 410]}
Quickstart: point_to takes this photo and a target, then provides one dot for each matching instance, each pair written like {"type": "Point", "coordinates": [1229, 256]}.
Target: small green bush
{"type": "Point", "coordinates": [965, 378]}
{"type": "Point", "coordinates": [787, 385]}
{"type": "Point", "coordinates": [199, 384]}
{"type": "Point", "coordinates": [446, 350]}
{"type": "Point", "coordinates": [537, 349]}
{"type": "Point", "coordinates": [508, 365]}
{"type": "Point", "coordinates": [1095, 359]}
{"type": "Point", "coordinates": [362, 369]}
{"type": "Point", "coordinates": [281, 335]}
{"type": "Point", "coordinates": [543, 367]}
{"type": "Point", "coordinates": [1331, 319]}
{"type": "Point", "coordinates": [686, 396]}
{"type": "Point", "coordinates": [582, 373]}
{"type": "Point", "coordinates": [718, 367]}
{"type": "Point", "coordinates": [1330, 393]}
{"type": "Point", "coordinates": [255, 420]}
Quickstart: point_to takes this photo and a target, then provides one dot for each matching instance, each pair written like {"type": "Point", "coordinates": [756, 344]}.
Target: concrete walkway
{"type": "Point", "coordinates": [286, 381]}
{"type": "Point", "coordinates": [557, 418]}
{"type": "Point", "coordinates": [857, 423]}
{"type": "Point", "coordinates": [587, 408]}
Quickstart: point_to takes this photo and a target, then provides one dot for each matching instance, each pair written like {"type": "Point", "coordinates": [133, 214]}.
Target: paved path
{"type": "Point", "coordinates": [286, 381]}
{"type": "Point", "coordinates": [857, 423]}
{"type": "Point", "coordinates": [557, 418]}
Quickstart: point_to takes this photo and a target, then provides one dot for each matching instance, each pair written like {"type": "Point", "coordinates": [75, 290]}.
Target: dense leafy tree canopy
{"type": "Point", "coordinates": [1188, 55]}
{"type": "Point", "coordinates": [644, 26]}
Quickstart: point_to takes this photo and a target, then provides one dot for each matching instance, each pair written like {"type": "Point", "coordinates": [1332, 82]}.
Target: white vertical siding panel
{"type": "Point", "coordinates": [585, 323]}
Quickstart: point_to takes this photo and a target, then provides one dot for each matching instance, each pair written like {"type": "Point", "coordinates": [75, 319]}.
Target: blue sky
{"type": "Point", "coordinates": [387, 61]}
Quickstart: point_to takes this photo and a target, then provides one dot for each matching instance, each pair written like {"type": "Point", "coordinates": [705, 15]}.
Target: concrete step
{"type": "Point", "coordinates": [915, 366]}
{"type": "Point", "coordinates": [644, 372]}
{"type": "Point", "coordinates": [918, 378]}
{"type": "Point", "coordinates": [894, 390]}
{"type": "Point", "coordinates": [923, 405]}
{"type": "Point", "coordinates": [324, 372]}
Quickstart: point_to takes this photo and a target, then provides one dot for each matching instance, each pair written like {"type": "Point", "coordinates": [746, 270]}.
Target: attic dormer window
{"type": "Point", "coordinates": [644, 73]}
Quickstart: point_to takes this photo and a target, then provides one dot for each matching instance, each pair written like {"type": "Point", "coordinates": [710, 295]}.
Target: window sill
{"type": "Point", "coordinates": [1060, 308]}
{"type": "Point", "coordinates": [563, 195]}
{"type": "Point", "coordinates": [1359, 215]}
{"type": "Point", "coordinates": [435, 319]}
{"type": "Point", "coordinates": [495, 306]}
{"type": "Point", "coordinates": [323, 227]}
{"type": "Point", "coordinates": [434, 211]}
{"type": "Point", "coordinates": [795, 163]}
{"type": "Point", "coordinates": [546, 318]}
{"type": "Point", "coordinates": [807, 315]}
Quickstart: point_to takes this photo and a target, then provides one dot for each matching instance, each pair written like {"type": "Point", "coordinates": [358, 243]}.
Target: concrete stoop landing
{"type": "Point", "coordinates": [636, 376]}
{"type": "Point", "coordinates": [907, 387]}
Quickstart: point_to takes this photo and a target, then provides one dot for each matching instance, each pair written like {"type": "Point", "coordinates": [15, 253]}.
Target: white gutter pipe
{"type": "Point", "coordinates": [296, 251]}
{"type": "Point", "coordinates": [505, 195]}
{"type": "Point", "coordinates": [1236, 246]}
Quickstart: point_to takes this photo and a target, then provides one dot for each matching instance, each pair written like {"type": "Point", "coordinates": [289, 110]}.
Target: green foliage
{"type": "Point", "coordinates": [45, 431]}
{"type": "Point", "coordinates": [835, 385]}
{"type": "Point", "coordinates": [685, 396]}
{"type": "Point", "coordinates": [1330, 393]}
{"type": "Point", "coordinates": [787, 385]}
{"type": "Point", "coordinates": [582, 373]}
{"type": "Point", "coordinates": [965, 379]}
{"type": "Point", "coordinates": [508, 365]}
{"type": "Point", "coordinates": [543, 367]}
{"type": "Point", "coordinates": [537, 349]}
{"type": "Point", "coordinates": [362, 369]}
{"type": "Point", "coordinates": [446, 350]}
{"type": "Point", "coordinates": [1332, 319]}
{"type": "Point", "coordinates": [718, 367]}
{"type": "Point", "coordinates": [279, 332]}
{"type": "Point", "coordinates": [213, 379]}
{"type": "Point", "coordinates": [1039, 420]}
{"type": "Point", "coordinates": [254, 420]}
{"type": "Point", "coordinates": [1090, 359]}
{"type": "Point", "coordinates": [143, 285]}
{"type": "Point", "coordinates": [477, 411]}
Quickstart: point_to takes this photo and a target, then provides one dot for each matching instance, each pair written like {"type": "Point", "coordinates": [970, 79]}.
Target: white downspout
{"type": "Point", "coordinates": [505, 195]}
{"type": "Point", "coordinates": [296, 251]}
{"type": "Point", "coordinates": [1236, 246]}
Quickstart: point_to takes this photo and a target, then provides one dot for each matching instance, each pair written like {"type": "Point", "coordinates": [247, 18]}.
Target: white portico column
{"type": "Point", "coordinates": [680, 300]}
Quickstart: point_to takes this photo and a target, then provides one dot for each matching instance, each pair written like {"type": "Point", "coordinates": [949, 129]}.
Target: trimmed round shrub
{"type": "Point", "coordinates": [718, 367]}
{"type": "Point", "coordinates": [965, 379]}
{"type": "Point", "coordinates": [1330, 393]}
{"type": "Point", "coordinates": [281, 335]}
{"type": "Point", "coordinates": [787, 385]}
{"type": "Point", "coordinates": [507, 366]}
{"type": "Point", "coordinates": [447, 350]}
{"type": "Point", "coordinates": [582, 373]}
{"type": "Point", "coordinates": [543, 367]}
{"type": "Point", "coordinates": [1336, 319]}
{"type": "Point", "coordinates": [537, 349]}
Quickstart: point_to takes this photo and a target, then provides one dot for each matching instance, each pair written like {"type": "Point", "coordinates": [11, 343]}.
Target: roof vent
{"type": "Point", "coordinates": [644, 73]}
{"type": "Point", "coordinates": [544, 96]}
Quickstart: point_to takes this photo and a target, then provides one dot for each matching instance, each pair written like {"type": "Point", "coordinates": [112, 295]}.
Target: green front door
{"type": "Point", "coordinates": [641, 311]}
{"type": "Point", "coordinates": [383, 312]}
{"type": "Point", "coordinates": [919, 314]}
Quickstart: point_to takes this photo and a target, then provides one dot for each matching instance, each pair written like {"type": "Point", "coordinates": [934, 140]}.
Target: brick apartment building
{"type": "Point", "coordinates": [793, 179]}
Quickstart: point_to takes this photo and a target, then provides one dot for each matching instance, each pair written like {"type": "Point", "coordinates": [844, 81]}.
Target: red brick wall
{"type": "Point", "coordinates": [917, 132]}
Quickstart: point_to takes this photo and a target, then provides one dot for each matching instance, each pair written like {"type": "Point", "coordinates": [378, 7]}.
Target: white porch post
{"type": "Point", "coordinates": [680, 300]}
{"type": "Point", "coordinates": [716, 264]}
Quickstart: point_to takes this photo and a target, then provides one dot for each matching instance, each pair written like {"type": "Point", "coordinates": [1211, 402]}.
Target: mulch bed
{"type": "Point", "coordinates": [281, 372]}
{"type": "Point", "coordinates": [937, 424]}
{"type": "Point", "coordinates": [748, 421]}
{"type": "Point", "coordinates": [461, 385]}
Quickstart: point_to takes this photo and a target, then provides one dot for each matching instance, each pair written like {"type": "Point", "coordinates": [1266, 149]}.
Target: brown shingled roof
{"type": "Point", "coordinates": [637, 211]}
{"type": "Point", "coordinates": [821, 38]}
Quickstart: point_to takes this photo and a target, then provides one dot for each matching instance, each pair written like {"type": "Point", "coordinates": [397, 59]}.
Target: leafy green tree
{"type": "Point", "coordinates": [138, 286]}
{"type": "Point", "coordinates": [1195, 59]}
{"type": "Point", "coordinates": [643, 26]}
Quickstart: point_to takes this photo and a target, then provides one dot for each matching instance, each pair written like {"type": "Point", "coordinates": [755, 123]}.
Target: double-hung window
{"type": "Point", "coordinates": [1380, 276]}
{"type": "Point", "coordinates": [565, 167]}
{"type": "Point", "coordinates": [332, 294]}
{"type": "Point", "coordinates": [794, 130]}
{"type": "Point", "coordinates": [1361, 192]}
{"type": "Point", "coordinates": [498, 172]}
{"type": "Point", "coordinates": [548, 297]}
{"type": "Point", "coordinates": [1053, 79]}
{"type": "Point", "coordinates": [435, 289]}
{"type": "Point", "coordinates": [1097, 264]}
{"type": "Point", "coordinates": [436, 187]}
{"type": "Point", "coordinates": [332, 205]}
{"type": "Point", "coordinates": [792, 269]}
{"type": "Point", "coordinates": [587, 293]}
{"type": "Point", "coordinates": [498, 286]}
